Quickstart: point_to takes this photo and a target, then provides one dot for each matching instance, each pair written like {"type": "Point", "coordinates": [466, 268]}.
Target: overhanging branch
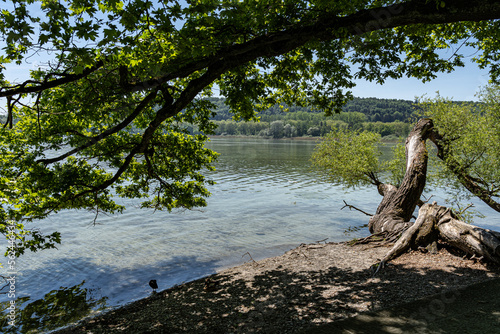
{"type": "Point", "coordinates": [468, 181]}
{"type": "Point", "coordinates": [107, 133]}
{"type": "Point", "coordinates": [327, 27]}
{"type": "Point", "coordinates": [331, 27]}
{"type": "Point", "coordinates": [26, 88]}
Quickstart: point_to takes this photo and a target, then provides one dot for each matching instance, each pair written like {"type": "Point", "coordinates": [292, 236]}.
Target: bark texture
{"type": "Point", "coordinates": [434, 222]}
{"type": "Point", "coordinates": [438, 222]}
{"type": "Point", "coordinates": [398, 204]}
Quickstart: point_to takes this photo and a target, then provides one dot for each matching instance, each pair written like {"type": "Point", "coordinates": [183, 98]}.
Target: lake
{"type": "Point", "coordinates": [267, 200]}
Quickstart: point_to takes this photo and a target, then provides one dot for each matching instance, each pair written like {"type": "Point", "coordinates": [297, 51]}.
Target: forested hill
{"type": "Point", "coordinates": [382, 110]}
{"type": "Point", "coordinates": [375, 110]}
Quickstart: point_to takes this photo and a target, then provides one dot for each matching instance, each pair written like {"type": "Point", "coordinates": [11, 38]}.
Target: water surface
{"type": "Point", "coordinates": [267, 200]}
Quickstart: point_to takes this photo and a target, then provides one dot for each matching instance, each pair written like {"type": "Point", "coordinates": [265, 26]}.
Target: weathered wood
{"type": "Point", "coordinates": [438, 222]}
{"type": "Point", "coordinates": [469, 238]}
{"type": "Point", "coordinates": [419, 234]}
{"type": "Point", "coordinates": [399, 203]}
{"type": "Point", "coordinates": [434, 222]}
{"type": "Point", "coordinates": [495, 233]}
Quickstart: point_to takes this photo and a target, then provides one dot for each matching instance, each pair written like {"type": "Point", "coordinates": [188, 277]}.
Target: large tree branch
{"type": "Point", "coordinates": [31, 86]}
{"type": "Point", "coordinates": [469, 182]}
{"type": "Point", "coordinates": [169, 109]}
{"type": "Point", "coordinates": [107, 133]}
{"type": "Point", "coordinates": [331, 27]}
{"type": "Point", "coordinates": [327, 27]}
{"type": "Point", "coordinates": [10, 107]}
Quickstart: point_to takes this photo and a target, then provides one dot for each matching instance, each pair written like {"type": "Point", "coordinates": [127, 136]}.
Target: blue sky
{"type": "Point", "coordinates": [460, 85]}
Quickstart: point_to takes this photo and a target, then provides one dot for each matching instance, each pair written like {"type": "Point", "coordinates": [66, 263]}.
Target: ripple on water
{"type": "Point", "coordinates": [266, 201]}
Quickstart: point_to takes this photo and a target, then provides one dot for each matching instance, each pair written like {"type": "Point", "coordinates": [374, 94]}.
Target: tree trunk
{"type": "Point", "coordinates": [398, 204]}
{"type": "Point", "coordinates": [434, 222]}
{"type": "Point", "coordinates": [472, 184]}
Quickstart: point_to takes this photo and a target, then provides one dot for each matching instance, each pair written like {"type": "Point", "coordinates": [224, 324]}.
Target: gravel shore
{"type": "Point", "coordinates": [309, 285]}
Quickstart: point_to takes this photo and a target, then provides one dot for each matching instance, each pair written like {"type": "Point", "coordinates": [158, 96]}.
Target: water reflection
{"type": "Point", "coordinates": [57, 308]}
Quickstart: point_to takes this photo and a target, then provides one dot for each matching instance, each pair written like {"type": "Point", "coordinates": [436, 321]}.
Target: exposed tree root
{"type": "Point", "coordinates": [378, 239]}
{"type": "Point", "coordinates": [438, 222]}
{"type": "Point", "coordinates": [391, 222]}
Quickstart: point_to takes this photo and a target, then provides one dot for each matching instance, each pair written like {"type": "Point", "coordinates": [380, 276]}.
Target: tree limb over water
{"type": "Point", "coordinates": [105, 111]}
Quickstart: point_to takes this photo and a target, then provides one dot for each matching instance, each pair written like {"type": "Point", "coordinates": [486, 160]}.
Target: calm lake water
{"type": "Point", "coordinates": [267, 200]}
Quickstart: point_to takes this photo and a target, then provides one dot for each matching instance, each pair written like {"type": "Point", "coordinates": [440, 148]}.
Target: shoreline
{"type": "Point", "coordinates": [303, 138]}
{"type": "Point", "coordinates": [267, 138]}
{"type": "Point", "coordinates": [305, 287]}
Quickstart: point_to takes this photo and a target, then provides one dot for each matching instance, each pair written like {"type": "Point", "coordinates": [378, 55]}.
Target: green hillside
{"type": "Point", "coordinates": [389, 117]}
{"type": "Point", "coordinates": [375, 110]}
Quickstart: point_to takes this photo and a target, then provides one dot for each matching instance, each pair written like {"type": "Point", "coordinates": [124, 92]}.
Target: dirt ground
{"type": "Point", "coordinates": [310, 287]}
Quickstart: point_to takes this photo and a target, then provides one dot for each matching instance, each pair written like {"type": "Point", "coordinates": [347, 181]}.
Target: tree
{"type": "Point", "coordinates": [276, 129]}
{"type": "Point", "coordinates": [107, 110]}
{"type": "Point", "coordinates": [289, 131]}
{"type": "Point", "coordinates": [314, 131]}
{"type": "Point", "coordinates": [459, 133]}
{"type": "Point", "coordinates": [468, 141]}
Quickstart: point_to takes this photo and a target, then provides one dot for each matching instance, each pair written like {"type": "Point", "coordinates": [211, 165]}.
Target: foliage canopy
{"type": "Point", "coordinates": [104, 112]}
{"type": "Point", "coordinates": [349, 157]}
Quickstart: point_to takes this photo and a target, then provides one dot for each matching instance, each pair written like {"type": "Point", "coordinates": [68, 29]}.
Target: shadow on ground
{"type": "Point", "coordinates": [286, 301]}
{"type": "Point", "coordinates": [472, 310]}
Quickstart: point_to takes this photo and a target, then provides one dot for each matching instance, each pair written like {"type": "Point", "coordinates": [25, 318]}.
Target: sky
{"type": "Point", "coordinates": [460, 85]}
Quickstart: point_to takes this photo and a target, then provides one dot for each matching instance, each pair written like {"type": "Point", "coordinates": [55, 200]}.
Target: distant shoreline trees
{"type": "Point", "coordinates": [388, 117]}
{"type": "Point", "coordinates": [391, 118]}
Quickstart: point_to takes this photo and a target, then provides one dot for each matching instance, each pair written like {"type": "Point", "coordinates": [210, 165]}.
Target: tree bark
{"type": "Point", "coordinates": [438, 222]}
{"type": "Point", "coordinates": [434, 222]}
{"type": "Point", "coordinates": [398, 204]}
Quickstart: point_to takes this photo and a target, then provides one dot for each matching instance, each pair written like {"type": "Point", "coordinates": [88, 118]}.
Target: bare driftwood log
{"type": "Point", "coordinates": [469, 238]}
{"type": "Point", "coordinates": [434, 222]}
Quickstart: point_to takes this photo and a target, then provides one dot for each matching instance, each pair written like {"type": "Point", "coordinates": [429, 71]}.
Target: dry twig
{"type": "Point", "coordinates": [355, 208]}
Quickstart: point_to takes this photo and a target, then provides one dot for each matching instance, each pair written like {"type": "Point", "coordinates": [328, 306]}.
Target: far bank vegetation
{"type": "Point", "coordinates": [390, 118]}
